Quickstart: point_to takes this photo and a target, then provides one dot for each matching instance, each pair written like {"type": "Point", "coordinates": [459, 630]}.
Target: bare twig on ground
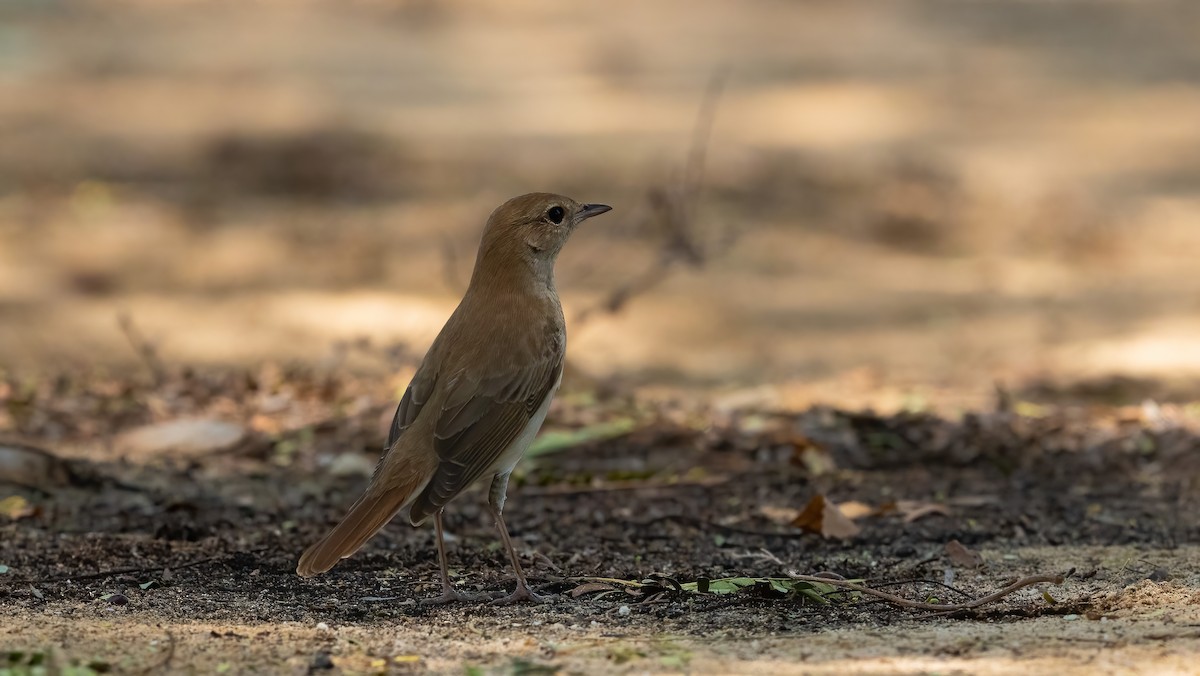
{"type": "Point", "coordinates": [940, 607]}
{"type": "Point", "coordinates": [943, 585]}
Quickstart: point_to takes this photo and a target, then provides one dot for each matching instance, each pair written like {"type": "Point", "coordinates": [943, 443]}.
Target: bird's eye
{"type": "Point", "coordinates": [556, 214]}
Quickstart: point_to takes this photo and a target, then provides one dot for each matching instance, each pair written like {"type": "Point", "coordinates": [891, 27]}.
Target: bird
{"type": "Point", "coordinates": [481, 393]}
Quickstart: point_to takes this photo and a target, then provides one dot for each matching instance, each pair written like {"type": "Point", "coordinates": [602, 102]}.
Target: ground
{"type": "Point", "coordinates": [185, 558]}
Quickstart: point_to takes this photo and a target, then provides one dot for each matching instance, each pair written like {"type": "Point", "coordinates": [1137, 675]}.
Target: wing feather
{"type": "Point", "coordinates": [479, 420]}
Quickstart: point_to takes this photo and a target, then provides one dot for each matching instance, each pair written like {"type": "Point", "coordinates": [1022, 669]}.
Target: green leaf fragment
{"type": "Point", "coordinates": [560, 440]}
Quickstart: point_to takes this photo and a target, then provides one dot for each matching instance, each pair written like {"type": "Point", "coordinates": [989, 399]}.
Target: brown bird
{"type": "Point", "coordinates": [481, 393]}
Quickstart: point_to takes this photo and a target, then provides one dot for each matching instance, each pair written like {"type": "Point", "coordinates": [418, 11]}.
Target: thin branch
{"type": "Point", "coordinates": [900, 583]}
{"type": "Point", "coordinates": [940, 607]}
{"type": "Point", "coordinates": [673, 210]}
{"type": "Point", "coordinates": [693, 176]}
{"type": "Point", "coordinates": [142, 347]}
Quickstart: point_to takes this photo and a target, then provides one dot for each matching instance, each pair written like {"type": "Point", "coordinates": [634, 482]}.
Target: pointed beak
{"type": "Point", "coordinates": [589, 210]}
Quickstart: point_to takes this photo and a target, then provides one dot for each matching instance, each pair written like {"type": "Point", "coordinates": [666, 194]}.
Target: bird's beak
{"type": "Point", "coordinates": [589, 210]}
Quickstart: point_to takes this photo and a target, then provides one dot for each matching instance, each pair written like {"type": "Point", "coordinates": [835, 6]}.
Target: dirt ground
{"type": "Point", "coordinates": [941, 272]}
{"type": "Point", "coordinates": [184, 560]}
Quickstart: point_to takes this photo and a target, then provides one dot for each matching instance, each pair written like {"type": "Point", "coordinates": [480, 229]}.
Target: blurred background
{"type": "Point", "coordinates": [874, 201]}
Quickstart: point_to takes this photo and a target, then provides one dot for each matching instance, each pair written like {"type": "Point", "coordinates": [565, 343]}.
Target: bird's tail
{"type": "Point", "coordinates": [371, 513]}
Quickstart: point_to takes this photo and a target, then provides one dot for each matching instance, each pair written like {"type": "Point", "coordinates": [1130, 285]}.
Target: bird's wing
{"type": "Point", "coordinates": [419, 391]}
{"type": "Point", "coordinates": [479, 420]}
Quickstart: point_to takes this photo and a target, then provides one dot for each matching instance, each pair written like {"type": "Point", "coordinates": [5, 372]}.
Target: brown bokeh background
{"type": "Point", "coordinates": [900, 199]}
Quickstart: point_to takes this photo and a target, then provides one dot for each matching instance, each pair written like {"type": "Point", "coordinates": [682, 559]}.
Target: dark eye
{"type": "Point", "coordinates": [556, 214]}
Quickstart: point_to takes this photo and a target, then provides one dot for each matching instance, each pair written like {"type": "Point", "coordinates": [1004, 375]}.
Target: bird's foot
{"type": "Point", "coordinates": [522, 593]}
{"type": "Point", "coordinates": [449, 595]}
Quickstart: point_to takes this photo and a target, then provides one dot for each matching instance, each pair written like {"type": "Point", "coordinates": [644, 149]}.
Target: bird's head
{"type": "Point", "coordinates": [530, 230]}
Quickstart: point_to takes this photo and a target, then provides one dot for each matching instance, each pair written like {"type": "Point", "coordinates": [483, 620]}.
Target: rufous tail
{"type": "Point", "coordinates": [371, 513]}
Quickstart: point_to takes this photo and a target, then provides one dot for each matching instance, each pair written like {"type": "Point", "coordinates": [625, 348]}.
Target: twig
{"type": "Point", "coordinates": [674, 211]}
{"type": "Point", "coordinates": [693, 177]}
{"type": "Point", "coordinates": [142, 347]}
{"type": "Point", "coordinates": [941, 607]}
{"type": "Point", "coordinates": [899, 583]}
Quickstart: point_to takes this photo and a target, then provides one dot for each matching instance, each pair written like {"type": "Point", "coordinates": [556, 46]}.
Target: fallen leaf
{"type": "Point", "coordinates": [16, 507]}
{"type": "Point", "coordinates": [823, 517]}
{"type": "Point", "coordinates": [855, 509]}
{"type": "Point", "coordinates": [560, 440]}
{"type": "Point", "coordinates": [30, 466]}
{"type": "Point", "coordinates": [780, 515]}
{"type": "Point", "coordinates": [960, 555]}
{"type": "Point", "coordinates": [590, 588]}
{"type": "Point", "coordinates": [911, 510]}
{"type": "Point", "coordinates": [816, 459]}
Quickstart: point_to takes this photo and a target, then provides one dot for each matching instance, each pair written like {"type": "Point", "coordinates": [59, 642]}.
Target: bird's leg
{"type": "Point", "coordinates": [496, 502]}
{"type": "Point", "coordinates": [449, 593]}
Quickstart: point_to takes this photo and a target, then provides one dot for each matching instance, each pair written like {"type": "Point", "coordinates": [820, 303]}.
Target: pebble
{"type": "Point", "coordinates": [623, 610]}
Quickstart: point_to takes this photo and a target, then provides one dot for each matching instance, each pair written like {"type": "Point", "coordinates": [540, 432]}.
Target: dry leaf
{"type": "Point", "coordinates": [816, 459]}
{"type": "Point", "coordinates": [855, 509]}
{"type": "Point", "coordinates": [16, 507]}
{"type": "Point", "coordinates": [591, 588]}
{"type": "Point", "coordinates": [823, 517]}
{"type": "Point", "coordinates": [780, 515]}
{"type": "Point", "coordinates": [960, 555]}
{"type": "Point", "coordinates": [29, 466]}
{"type": "Point", "coordinates": [912, 510]}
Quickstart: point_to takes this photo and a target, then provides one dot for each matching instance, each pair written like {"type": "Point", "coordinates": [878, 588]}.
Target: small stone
{"type": "Point", "coordinates": [1070, 617]}
{"type": "Point", "coordinates": [321, 626]}
{"type": "Point", "coordinates": [623, 611]}
{"type": "Point", "coordinates": [118, 599]}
